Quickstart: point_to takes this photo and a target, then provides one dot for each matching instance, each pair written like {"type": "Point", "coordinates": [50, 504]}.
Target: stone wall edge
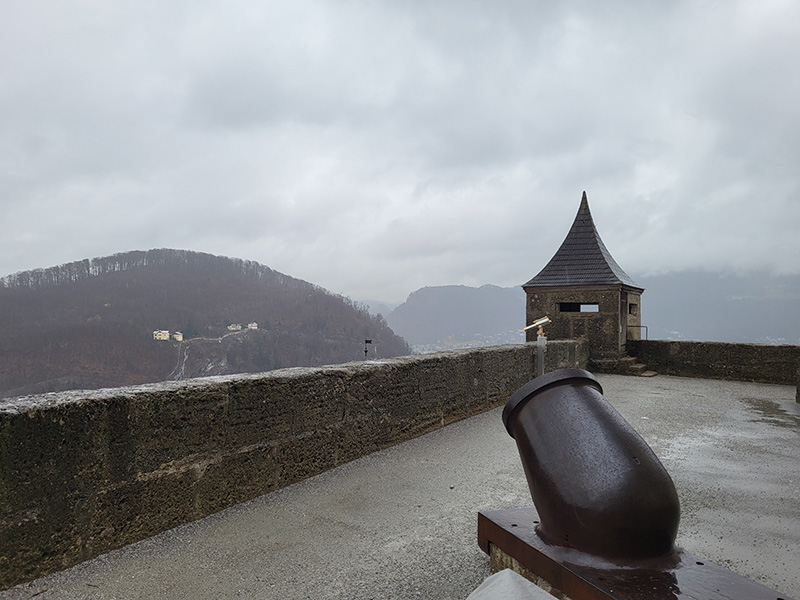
{"type": "Point", "coordinates": [83, 473]}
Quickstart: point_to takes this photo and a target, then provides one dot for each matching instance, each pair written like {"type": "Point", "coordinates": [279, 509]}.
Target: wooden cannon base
{"type": "Point", "coordinates": [508, 536]}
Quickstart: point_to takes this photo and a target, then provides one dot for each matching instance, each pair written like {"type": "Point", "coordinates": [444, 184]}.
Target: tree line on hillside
{"type": "Point", "coordinates": [136, 259]}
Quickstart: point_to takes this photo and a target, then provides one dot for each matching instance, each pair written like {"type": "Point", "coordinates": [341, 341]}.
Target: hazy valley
{"type": "Point", "coordinates": [93, 323]}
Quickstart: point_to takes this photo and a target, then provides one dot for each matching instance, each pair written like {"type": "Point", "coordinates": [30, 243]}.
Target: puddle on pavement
{"type": "Point", "coordinates": [773, 413]}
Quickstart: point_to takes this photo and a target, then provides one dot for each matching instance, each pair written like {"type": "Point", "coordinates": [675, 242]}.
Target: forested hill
{"type": "Point", "coordinates": [90, 324]}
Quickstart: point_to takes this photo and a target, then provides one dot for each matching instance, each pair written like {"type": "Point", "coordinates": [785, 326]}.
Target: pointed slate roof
{"type": "Point", "coordinates": [582, 259]}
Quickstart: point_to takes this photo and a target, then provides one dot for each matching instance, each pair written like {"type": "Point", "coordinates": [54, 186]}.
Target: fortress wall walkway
{"type": "Point", "coordinates": [401, 522]}
{"type": "Point", "coordinates": [82, 472]}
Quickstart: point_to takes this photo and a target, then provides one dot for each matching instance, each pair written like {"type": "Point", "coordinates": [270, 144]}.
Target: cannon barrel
{"type": "Point", "coordinates": [596, 484]}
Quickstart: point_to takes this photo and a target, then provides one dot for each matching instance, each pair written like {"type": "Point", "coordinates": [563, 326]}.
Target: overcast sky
{"type": "Point", "coordinates": [377, 147]}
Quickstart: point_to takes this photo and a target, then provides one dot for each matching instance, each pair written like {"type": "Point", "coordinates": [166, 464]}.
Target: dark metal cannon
{"type": "Point", "coordinates": [596, 484]}
{"type": "Point", "coordinates": [606, 512]}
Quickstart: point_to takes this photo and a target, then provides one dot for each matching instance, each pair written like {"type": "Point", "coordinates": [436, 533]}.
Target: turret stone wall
{"type": "Point", "coordinates": [603, 329]}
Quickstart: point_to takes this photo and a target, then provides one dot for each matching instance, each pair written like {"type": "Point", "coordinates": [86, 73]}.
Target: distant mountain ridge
{"type": "Point", "coordinates": [457, 316]}
{"type": "Point", "coordinates": [90, 323]}
{"type": "Point", "coordinates": [690, 305]}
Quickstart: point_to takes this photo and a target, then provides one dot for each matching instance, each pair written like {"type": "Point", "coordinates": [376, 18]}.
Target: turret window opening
{"type": "Point", "coordinates": [579, 307]}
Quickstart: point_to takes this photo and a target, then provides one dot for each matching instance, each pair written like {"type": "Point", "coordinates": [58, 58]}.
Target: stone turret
{"type": "Point", "coordinates": [585, 293]}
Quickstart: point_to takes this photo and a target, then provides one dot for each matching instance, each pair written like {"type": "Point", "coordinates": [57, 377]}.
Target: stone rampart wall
{"type": "Point", "coordinates": [82, 473]}
{"type": "Point", "coordinates": [716, 360]}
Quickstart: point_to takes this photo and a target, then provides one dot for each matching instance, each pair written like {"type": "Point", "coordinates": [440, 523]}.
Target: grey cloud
{"type": "Point", "coordinates": [374, 148]}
